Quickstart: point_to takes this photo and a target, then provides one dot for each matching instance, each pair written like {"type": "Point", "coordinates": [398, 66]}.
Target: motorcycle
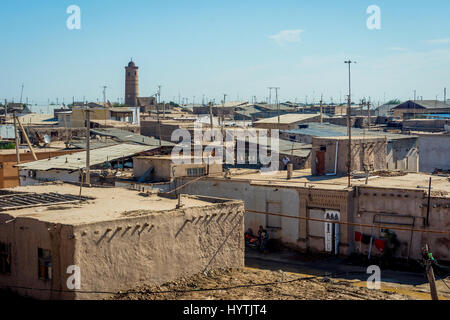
{"type": "Point", "coordinates": [251, 240]}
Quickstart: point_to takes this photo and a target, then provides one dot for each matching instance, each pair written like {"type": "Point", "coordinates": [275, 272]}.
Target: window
{"type": "Point", "coordinates": [44, 264]}
{"type": "Point", "coordinates": [5, 257]}
{"type": "Point", "coordinates": [195, 172]}
{"type": "Point", "coordinates": [273, 221]}
{"type": "Point", "coordinates": [129, 74]}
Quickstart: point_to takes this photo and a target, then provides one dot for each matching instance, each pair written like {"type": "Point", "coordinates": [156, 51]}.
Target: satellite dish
{"type": "Point", "coordinates": [47, 138]}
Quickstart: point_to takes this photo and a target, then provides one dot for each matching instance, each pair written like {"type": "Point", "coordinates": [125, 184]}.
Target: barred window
{"type": "Point", "coordinates": [44, 264]}
{"type": "Point", "coordinates": [195, 172]}
{"type": "Point", "coordinates": [5, 257]}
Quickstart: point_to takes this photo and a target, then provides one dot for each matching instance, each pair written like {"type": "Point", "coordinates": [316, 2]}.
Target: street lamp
{"type": "Point", "coordinates": [349, 131]}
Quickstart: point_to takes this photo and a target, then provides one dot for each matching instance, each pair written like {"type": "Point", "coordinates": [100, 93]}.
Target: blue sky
{"type": "Point", "coordinates": [196, 48]}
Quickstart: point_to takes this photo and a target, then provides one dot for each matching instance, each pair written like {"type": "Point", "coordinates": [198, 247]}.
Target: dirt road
{"type": "Point", "coordinates": [254, 284]}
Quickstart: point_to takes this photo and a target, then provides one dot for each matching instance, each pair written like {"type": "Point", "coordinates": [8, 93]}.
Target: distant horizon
{"type": "Point", "coordinates": [201, 50]}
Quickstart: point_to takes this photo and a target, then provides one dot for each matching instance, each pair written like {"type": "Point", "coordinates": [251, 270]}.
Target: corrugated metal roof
{"type": "Point", "coordinates": [295, 148]}
{"type": "Point", "coordinates": [332, 130]}
{"type": "Point", "coordinates": [127, 136]}
{"type": "Point", "coordinates": [273, 107]}
{"type": "Point", "coordinates": [427, 104]}
{"type": "Point", "coordinates": [94, 144]}
{"type": "Point", "coordinates": [77, 160]}
{"type": "Point", "coordinates": [248, 110]}
{"type": "Point", "coordinates": [232, 104]}
{"type": "Point", "coordinates": [289, 118]}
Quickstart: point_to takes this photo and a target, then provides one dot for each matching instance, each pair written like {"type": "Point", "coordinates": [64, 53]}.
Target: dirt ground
{"type": "Point", "coordinates": [254, 284]}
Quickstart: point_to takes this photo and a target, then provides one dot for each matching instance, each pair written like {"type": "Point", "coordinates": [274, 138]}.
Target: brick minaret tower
{"type": "Point", "coordinates": [131, 84]}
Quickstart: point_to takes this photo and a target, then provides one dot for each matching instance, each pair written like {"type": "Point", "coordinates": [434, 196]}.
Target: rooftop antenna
{"type": "Point", "coordinates": [104, 94]}
{"type": "Point", "coordinates": [159, 93]}
{"type": "Point", "coordinates": [21, 94]}
{"type": "Point", "coordinates": [276, 101]}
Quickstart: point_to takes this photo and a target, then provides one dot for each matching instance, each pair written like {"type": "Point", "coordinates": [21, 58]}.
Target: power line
{"type": "Point", "coordinates": [332, 275]}
{"type": "Point", "coordinates": [349, 223]}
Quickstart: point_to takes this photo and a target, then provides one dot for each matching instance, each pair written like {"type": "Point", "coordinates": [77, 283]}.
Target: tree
{"type": "Point", "coordinates": [393, 101]}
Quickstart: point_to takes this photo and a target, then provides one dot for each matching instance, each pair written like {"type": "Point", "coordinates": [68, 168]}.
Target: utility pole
{"type": "Point", "coordinates": [278, 105]}
{"type": "Point", "coordinates": [368, 113]}
{"type": "Point", "coordinates": [104, 94]}
{"type": "Point", "coordinates": [16, 137]}
{"type": "Point", "coordinates": [321, 101]}
{"type": "Point", "coordinates": [159, 123]}
{"type": "Point", "coordinates": [159, 94]}
{"type": "Point", "coordinates": [223, 110]}
{"type": "Point", "coordinates": [26, 138]}
{"type": "Point", "coordinates": [164, 109]}
{"type": "Point", "coordinates": [361, 107]}
{"type": "Point", "coordinates": [88, 145]}
{"type": "Point", "coordinates": [429, 260]}
{"type": "Point", "coordinates": [210, 114]}
{"type": "Point", "coordinates": [445, 95]}
{"type": "Point", "coordinates": [270, 95]}
{"type": "Point", "coordinates": [349, 124]}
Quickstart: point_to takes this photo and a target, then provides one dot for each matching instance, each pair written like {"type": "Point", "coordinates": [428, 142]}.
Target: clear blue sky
{"type": "Point", "coordinates": [211, 47]}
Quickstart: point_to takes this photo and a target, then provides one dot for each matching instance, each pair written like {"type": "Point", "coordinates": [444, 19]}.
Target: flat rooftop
{"type": "Point", "coordinates": [303, 178]}
{"type": "Point", "coordinates": [288, 118]}
{"type": "Point", "coordinates": [35, 119]}
{"type": "Point", "coordinates": [107, 204]}
{"type": "Point", "coordinates": [53, 147]}
{"type": "Point", "coordinates": [333, 130]}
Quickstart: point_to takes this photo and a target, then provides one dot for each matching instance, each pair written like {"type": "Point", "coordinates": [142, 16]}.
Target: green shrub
{"type": "Point", "coordinates": [7, 145]}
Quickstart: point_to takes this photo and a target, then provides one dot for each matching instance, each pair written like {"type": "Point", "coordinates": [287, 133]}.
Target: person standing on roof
{"type": "Point", "coordinates": [285, 162]}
